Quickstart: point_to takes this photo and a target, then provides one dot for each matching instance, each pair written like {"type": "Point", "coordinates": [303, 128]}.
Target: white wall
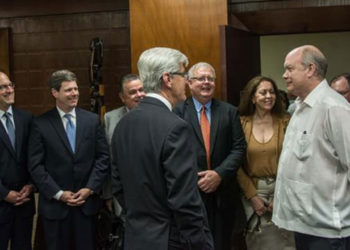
{"type": "Point", "coordinates": [335, 46]}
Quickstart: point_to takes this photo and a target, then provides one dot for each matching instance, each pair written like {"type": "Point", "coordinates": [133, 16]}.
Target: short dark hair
{"type": "Point", "coordinates": [127, 78]}
{"type": "Point", "coordinates": [337, 77]}
{"type": "Point", "coordinates": [59, 76]}
{"type": "Point", "coordinates": [246, 106]}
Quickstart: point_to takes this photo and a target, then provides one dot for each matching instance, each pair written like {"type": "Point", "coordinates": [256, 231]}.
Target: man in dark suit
{"type": "Point", "coordinates": [220, 147]}
{"type": "Point", "coordinates": [153, 172]}
{"type": "Point", "coordinates": [68, 161]}
{"type": "Point", "coordinates": [16, 197]}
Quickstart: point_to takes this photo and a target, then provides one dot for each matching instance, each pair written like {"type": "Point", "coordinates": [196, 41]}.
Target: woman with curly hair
{"type": "Point", "coordinates": [264, 121]}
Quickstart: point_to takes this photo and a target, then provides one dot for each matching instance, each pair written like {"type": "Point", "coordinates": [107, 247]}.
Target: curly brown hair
{"type": "Point", "coordinates": [246, 106]}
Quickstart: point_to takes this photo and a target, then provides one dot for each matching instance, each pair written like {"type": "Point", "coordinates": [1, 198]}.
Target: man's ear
{"type": "Point", "coordinates": [311, 70]}
{"type": "Point", "coordinates": [54, 92]}
{"type": "Point", "coordinates": [167, 80]}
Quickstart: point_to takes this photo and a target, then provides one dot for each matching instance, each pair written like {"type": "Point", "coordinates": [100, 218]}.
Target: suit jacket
{"type": "Point", "coordinates": [54, 166]}
{"type": "Point", "coordinates": [13, 165]}
{"type": "Point", "coordinates": [111, 120]}
{"type": "Point", "coordinates": [227, 152]}
{"type": "Point", "coordinates": [154, 177]}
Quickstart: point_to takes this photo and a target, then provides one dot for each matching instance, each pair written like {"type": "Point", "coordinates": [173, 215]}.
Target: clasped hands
{"type": "Point", "coordinates": [19, 197]}
{"type": "Point", "coordinates": [259, 206]}
{"type": "Point", "coordinates": [75, 199]}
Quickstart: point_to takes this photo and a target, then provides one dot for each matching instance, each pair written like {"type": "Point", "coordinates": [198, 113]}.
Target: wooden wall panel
{"type": "Point", "coordinates": [189, 26]}
{"type": "Point", "coordinates": [4, 50]}
{"type": "Point", "coordinates": [240, 61]}
{"type": "Point", "coordinates": [20, 8]}
{"type": "Point", "coordinates": [44, 44]}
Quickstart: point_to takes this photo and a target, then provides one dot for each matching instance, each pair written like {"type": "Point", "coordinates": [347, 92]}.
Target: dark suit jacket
{"type": "Point", "coordinates": [55, 167]}
{"type": "Point", "coordinates": [154, 167]}
{"type": "Point", "coordinates": [227, 151]}
{"type": "Point", "coordinates": [13, 166]}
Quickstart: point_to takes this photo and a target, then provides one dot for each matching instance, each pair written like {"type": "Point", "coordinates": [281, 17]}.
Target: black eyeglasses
{"type": "Point", "coordinates": [204, 78]}
{"type": "Point", "coordinates": [183, 74]}
{"type": "Point", "coordinates": [11, 85]}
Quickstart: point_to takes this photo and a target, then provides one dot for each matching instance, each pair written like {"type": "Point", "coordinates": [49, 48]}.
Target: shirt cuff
{"type": "Point", "coordinates": [58, 195]}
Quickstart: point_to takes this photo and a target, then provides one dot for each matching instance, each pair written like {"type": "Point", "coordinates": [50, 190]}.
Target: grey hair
{"type": "Point", "coordinates": [312, 55]}
{"type": "Point", "coordinates": [154, 62]}
{"type": "Point", "coordinates": [128, 78]}
{"type": "Point", "coordinates": [57, 77]}
{"type": "Point", "coordinates": [200, 65]}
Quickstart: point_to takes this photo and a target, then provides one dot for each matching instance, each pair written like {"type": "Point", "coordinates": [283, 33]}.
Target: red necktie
{"type": "Point", "coordinates": [205, 128]}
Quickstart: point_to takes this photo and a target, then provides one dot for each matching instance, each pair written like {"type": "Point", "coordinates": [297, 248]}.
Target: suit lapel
{"type": "Point", "coordinates": [18, 132]}
{"type": "Point", "coordinates": [193, 118]}
{"type": "Point", "coordinates": [5, 138]}
{"type": "Point", "coordinates": [79, 128]}
{"type": "Point", "coordinates": [56, 122]}
{"type": "Point", "coordinates": [214, 124]}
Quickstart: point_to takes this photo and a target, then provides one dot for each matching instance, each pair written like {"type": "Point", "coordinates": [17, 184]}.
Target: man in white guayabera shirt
{"type": "Point", "coordinates": [312, 196]}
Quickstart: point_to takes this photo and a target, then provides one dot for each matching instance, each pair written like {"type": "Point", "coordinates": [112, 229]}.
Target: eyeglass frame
{"type": "Point", "coordinates": [204, 78]}
{"type": "Point", "coordinates": [11, 85]}
{"type": "Point", "coordinates": [183, 74]}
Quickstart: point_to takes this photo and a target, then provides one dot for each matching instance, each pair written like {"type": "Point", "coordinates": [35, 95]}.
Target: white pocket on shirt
{"type": "Point", "coordinates": [297, 198]}
{"type": "Point", "coordinates": [302, 147]}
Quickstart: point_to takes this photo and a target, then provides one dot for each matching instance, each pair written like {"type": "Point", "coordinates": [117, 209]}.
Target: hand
{"type": "Point", "coordinates": [109, 205]}
{"type": "Point", "coordinates": [79, 197]}
{"type": "Point", "coordinates": [67, 196]}
{"type": "Point", "coordinates": [13, 197]}
{"type": "Point", "coordinates": [209, 181]}
{"type": "Point", "coordinates": [258, 205]}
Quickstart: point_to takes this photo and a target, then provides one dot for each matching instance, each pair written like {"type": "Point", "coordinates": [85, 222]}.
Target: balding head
{"type": "Point", "coordinates": [312, 55]}
{"type": "Point", "coordinates": [305, 67]}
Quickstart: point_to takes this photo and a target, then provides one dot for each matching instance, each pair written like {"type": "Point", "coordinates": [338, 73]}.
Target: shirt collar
{"type": "Point", "coordinates": [160, 98]}
{"type": "Point", "coordinates": [62, 113]}
{"type": "Point", "coordinates": [198, 105]}
{"type": "Point", "coordinates": [312, 97]}
{"type": "Point", "coordinates": [9, 110]}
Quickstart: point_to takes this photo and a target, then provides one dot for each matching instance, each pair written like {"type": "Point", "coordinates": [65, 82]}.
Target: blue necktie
{"type": "Point", "coordinates": [70, 130]}
{"type": "Point", "coordinates": [10, 129]}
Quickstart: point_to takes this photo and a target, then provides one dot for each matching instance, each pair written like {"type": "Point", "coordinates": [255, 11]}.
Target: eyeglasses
{"type": "Point", "coordinates": [183, 74]}
{"type": "Point", "coordinates": [204, 78]}
{"type": "Point", "coordinates": [11, 85]}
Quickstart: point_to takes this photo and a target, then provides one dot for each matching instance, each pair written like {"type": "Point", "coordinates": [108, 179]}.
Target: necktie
{"type": "Point", "coordinates": [70, 131]}
{"type": "Point", "coordinates": [10, 129]}
{"type": "Point", "coordinates": [205, 128]}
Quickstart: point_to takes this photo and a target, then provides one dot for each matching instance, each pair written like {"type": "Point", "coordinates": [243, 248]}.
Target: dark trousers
{"type": "Point", "coordinates": [76, 227]}
{"type": "Point", "coordinates": [309, 242]}
{"type": "Point", "coordinates": [18, 230]}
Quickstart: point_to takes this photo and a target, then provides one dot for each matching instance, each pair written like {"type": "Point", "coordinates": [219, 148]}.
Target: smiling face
{"type": "Point", "coordinates": [265, 96]}
{"type": "Point", "coordinates": [7, 92]}
{"type": "Point", "coordinates": [132, 93]}
{"type": "Point", "coordinates": [67, 97]}
{"type": "Point", "coordinates": [202, 84]}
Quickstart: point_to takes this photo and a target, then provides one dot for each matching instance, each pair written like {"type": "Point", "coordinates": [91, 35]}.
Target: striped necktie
{"type": "Point", "coordinates": [10, 129]}
{"type": "Point", "coordinates": [70, 131]}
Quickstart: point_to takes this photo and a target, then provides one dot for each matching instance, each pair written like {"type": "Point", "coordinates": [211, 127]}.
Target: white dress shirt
{"type": "Point", "coordinates": [3, 119]}
{"type": "Point", "coordinates": [58, 195]}
{"type": "Point", "coordinates": [312, 194]}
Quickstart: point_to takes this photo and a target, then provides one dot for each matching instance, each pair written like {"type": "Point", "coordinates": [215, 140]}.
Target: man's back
{"type": "Point", "coordinates": [156, 168]}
